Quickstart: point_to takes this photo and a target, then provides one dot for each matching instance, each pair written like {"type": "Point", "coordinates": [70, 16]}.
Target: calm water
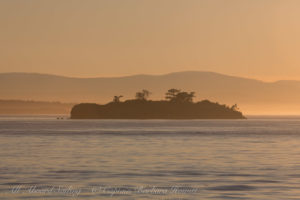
{"type": "Point", "coordinates": [45, 158]}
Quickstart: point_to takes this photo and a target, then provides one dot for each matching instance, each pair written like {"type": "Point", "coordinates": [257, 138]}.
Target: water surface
{"type": "Point", "coordinates": [45, 158]}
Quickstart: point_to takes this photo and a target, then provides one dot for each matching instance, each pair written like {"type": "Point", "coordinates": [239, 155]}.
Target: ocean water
{"type": "Point", "coordinates": [45, 158]}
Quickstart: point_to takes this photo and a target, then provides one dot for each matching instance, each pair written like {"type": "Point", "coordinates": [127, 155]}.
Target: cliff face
{"type": "Point", "coordinates": [137, 109]}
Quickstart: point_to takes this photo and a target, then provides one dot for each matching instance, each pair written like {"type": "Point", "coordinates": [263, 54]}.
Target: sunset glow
{"type": "Point", "coordinates": [250, 38]}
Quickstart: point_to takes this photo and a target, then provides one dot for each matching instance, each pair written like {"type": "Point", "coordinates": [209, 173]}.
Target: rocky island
{"type": "Point", "coordinates": [178, 105]}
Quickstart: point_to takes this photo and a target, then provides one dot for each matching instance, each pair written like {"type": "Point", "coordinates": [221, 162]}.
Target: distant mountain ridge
{"type": "Point", "coordinates": [253, 96]}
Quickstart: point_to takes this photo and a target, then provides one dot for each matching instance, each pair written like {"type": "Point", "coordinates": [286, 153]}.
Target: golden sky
{"type": "Point", "coordinates": [88, 38]}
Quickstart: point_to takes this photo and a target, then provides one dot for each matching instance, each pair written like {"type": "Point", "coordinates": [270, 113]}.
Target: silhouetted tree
{"type": "Point", "coordinates": [175, 95]}
{"type": "Point", "coordinates": [235, 107]}
{"type": "Point", "coordinates": [171, 94]}
{"type": "Point", "coordinates": [185, 97]}
{"type": "Point", "coordinates": [117, 99]}
{"type": "Point", "coordinates": [143, 95]}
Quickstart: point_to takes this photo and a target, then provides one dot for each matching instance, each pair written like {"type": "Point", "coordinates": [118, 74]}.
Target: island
{"type": "Point", "coordinates": [178, 105]}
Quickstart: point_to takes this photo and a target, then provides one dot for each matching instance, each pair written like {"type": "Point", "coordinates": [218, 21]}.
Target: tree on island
{"type": "Point", "coordinates": [117, 99]}
{"type": "Point", "coordinates": [171, 94]}
{"type": "Point", "coordinates": [175, 95]}
{"type": "Point", "coordinates": [143, 95]}
{"type": "Point", "coordinates": [235, 107]}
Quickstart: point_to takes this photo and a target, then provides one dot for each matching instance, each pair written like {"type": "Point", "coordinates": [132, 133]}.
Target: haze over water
{"type": "Point", "coordinates": [243, 55]}
{"type": "Point", "coordinates": [149, 159]}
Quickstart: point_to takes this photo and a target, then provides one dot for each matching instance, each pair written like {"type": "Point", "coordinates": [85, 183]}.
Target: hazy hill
{"type": "Point", "coordinates": [252, 96]}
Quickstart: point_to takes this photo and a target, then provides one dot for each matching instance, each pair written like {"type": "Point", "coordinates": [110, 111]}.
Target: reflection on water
{"type": "Point", "coordinates": [45, 158]}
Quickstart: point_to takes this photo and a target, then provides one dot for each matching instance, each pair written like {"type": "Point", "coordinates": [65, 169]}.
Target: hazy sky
{"type": "Point", "coordinates": [250, 38]}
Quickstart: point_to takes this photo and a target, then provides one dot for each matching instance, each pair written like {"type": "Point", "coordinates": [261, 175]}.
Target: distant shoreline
{"type": "Point", "coordinates": [23, 107]}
